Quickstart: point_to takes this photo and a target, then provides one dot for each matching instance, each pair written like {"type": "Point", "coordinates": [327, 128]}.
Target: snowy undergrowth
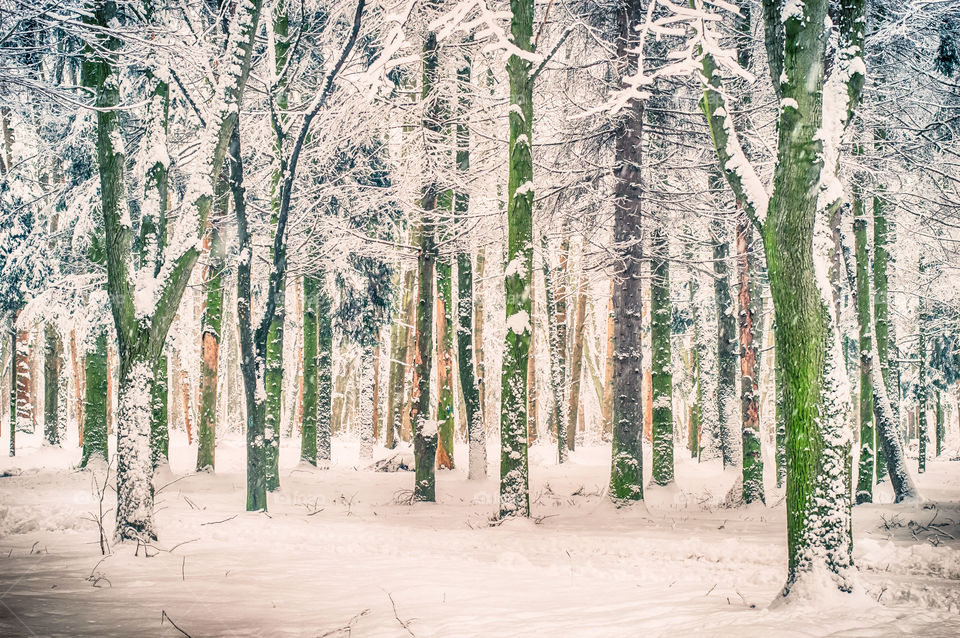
{"type": "Point", "coordinates": [339, 544]}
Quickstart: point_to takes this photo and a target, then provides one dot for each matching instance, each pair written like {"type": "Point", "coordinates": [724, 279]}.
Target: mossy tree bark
{"type": "Point", "coordinates": [211, 327]}
{"type": "Point", "coordinates": [141, 331]}
{"type": "Point", "coordinates": [626, 475]}
{"type": "Point", "coordinates": [308, 431]}
{"type": "Point", "coordinates": [661, 318]}
{"type": "Point", "coordinates": [95, 408]}
{"type": "Point", "coordinates": [518, 276]}
{"type": "Point", "coordinates": [808, 346]}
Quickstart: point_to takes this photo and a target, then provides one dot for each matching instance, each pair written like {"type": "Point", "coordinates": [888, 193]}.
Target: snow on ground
{"type": "Point", "coordinates": [342, 553]}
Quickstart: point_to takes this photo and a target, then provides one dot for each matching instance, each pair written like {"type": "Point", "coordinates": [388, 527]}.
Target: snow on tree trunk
{"type": "Point", "coordinates": [95, 409]}
{"type": "Point", "coordinates": [865, 478]}
{"type": "Point", "coordinates": [557, 335]}
{"type": "Point", "coordinates": [324, 373]}
{"type": "Point", "coordinates": [661, 319]}
{"type": "Point", "coordinates": [424, 429]}
{"type": "Point", "coordinates": [576, 363]}
{"type": "Point", "coordinates": [52, 355]}
{"type": "Point", "coordinates": [134, 460]}
{"type": "Point", "coordinates": [212, 322]}
{"type": "Point", "coordinates": [308, 430]}
{"type": "Point", "coordinates": [518, 274]}
{"type": "Point", "coordinates": [476, 436]}
{"type": "Point", "coordinates": [626, 473]}
{"type": "Point", "coordinates": [752, 472]}
{"type": "Point", "coordinates": [727, 431]}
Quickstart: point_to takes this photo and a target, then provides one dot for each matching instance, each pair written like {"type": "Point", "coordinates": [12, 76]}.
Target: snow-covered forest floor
{"type": "Point", "coordinates": [341, 553]}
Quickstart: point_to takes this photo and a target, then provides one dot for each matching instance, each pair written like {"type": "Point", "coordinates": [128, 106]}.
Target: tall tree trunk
{"type": "Point", "coordinates": [818, 504]}
{"type": "Point", "coordinates": [324, 373]}
{"type": "Point", "coordinates": [53, 352]}
{"type": "Point", "coordinates": [476, 436]}
{"type": "Point", "coordinates": [142, 328]}
{"type": "Point", "coordinates": [425, 431]}
{"type": "Point", "coordinates": [518, 275]}
{"type": "Point", "coordinates": [626, 475]}
{"type": "Point", "coordinates": [881, 308]}
{"type": "Point", "coordinates": [308, 432]}
{"type": "Point", "coordinates": [726, 346]}
{"type": "Point", "coordinates": [696, 413]}
{"type": "Point", "coordinates": [749, 368]}
{"type": "Point", "coordinates": [211, 329]}
{"type": "Point", "coordinates": [397, 376]}
{"type": "Point", "coordinates": [865, 478]}
{"type": "Point", "coordinates": [661, 376]}
{"type": "Point", "coordinates": [922, 389]}
{"type": "Point", "coordinates": [556, 294]}
{"type": "Point", "coordinates": [274, 354]}
{"type": "Point", "coordinates": [252, 351]}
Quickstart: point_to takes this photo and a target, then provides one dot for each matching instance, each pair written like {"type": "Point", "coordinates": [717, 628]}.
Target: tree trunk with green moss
{"type": "Point", "coordinates": [273, 374]}
{"type": "Point", "coordinates": [424, 429]}
{"type": "Point", "coordinates": [95, 406]}
{"type": "Point", "coordinates": [308, 430]}
{"type": "Point", "coordinates": [211, 327]}
{"type": "Point", "coordinates": [518, 279]}
{"type": "Point", "coordinates": [661, 319]}
{"type": "Point", "coordinates": [881, 309]}
{"type": "Point", "coordinates": [52, 353]}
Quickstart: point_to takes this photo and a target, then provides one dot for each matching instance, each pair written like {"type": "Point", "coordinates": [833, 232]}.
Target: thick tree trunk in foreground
{"type": "Point", "coordinates": [626, 475]}
{"type": "Point", "coordinates": [818, 505]}
{"type": "Point", "coordinates": [518, 275]}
